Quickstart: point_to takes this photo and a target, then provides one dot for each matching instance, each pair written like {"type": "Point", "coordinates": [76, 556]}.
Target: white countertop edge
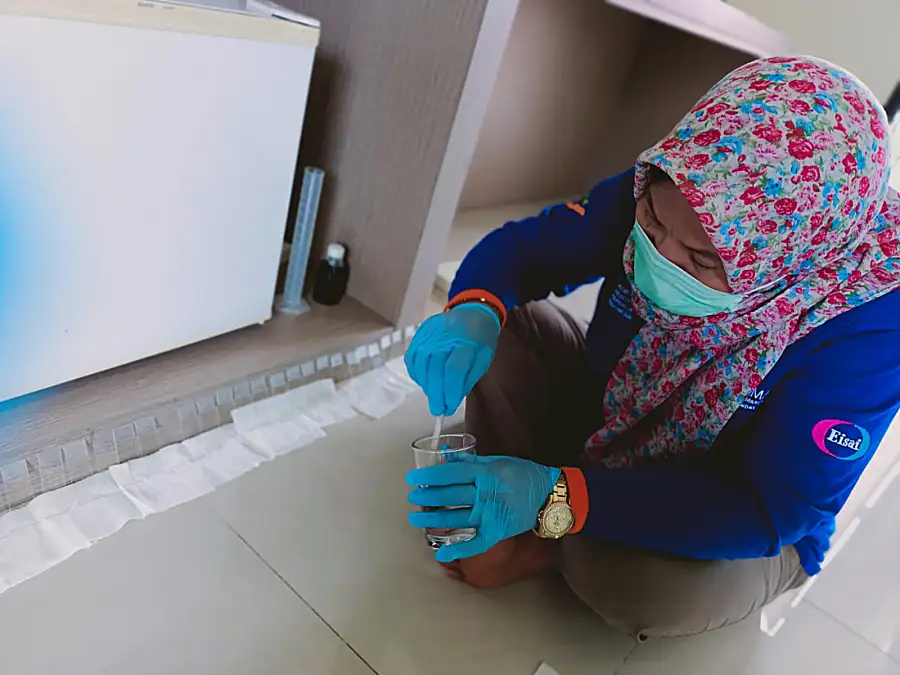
{"type": "Point", "coordinates": [262, 25]}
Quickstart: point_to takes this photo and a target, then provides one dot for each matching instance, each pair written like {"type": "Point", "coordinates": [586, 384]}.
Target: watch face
{"type": "Point", "coordinates": [558, 519]}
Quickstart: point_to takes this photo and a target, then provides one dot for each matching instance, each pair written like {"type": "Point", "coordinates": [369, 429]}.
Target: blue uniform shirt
{"type": "Point", "coordinates": [786, 461]}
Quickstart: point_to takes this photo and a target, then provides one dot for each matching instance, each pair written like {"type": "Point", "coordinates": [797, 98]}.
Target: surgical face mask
{"type": "Point", "coordinates": [671, 288]}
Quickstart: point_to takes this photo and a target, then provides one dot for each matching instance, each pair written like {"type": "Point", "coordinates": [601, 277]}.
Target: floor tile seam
{"type": "Point", "coordinates": [294, 591]}
{"type": "Point", "coordinates": [850, 630]}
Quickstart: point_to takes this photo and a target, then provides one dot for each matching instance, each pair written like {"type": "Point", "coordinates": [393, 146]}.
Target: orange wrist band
{"type": "Point", "coordinates": [484, 297]}
{"type": "Point", "coordinates": [578, 497]}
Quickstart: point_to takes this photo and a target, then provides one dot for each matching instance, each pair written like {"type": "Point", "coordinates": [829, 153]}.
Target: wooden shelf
{"type": "Point", "coordinates": [713, 20]}
{"type": "Point", "coordinates": [71, 410]}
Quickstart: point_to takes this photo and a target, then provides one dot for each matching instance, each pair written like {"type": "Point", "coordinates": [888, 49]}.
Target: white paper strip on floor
{"type": "Point", "coordinates": [281, 438]}
{"type": "Point", "coordinates": [317, 401]}
{"type": "Point", "coordinates": [58, 524]}
{"type": "Point", "coordinates": [281, 423]}
{"type": "Point", "coordinates": [380, 391]}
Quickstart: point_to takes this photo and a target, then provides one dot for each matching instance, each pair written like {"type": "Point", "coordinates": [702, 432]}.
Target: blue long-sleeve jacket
{"type": "Point", "coordinates": [785, 463]}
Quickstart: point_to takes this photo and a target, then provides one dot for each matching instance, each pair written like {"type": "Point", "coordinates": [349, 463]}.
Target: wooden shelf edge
{"type": "Point", "coordinates": [72, 410]}
{"type": "Point", "coordinates": [715, 21]}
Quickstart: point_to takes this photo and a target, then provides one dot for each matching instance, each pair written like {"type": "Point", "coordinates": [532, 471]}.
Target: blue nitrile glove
{"type": "Point", "coordinates": [504, 496]}
{"type": "Point", "coordinates": [450, 353]}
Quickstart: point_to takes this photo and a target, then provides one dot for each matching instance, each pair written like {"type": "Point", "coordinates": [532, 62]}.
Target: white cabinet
{"type": "Point", "coordinates": [148, 157]}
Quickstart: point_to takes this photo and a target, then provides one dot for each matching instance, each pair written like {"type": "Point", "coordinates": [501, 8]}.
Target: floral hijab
{"type": "Point", "coordinates": [785, 161]}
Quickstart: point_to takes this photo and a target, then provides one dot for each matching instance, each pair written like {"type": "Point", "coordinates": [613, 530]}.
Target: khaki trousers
{"type": "Point", "coordinates": [537, 401]}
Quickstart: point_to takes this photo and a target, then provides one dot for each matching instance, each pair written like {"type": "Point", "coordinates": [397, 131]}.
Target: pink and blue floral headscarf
{"type": "Point", "coordinates": [785, 162]}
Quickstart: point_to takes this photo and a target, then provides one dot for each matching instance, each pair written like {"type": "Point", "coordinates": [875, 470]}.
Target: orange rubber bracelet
{"type": "Point", "coordinates": [484, 297]}
{"type": "Point", "coordinates": [578, 497]}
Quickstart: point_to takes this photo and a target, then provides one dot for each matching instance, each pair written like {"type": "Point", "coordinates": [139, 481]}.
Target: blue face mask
{"type": "Point", "coordinates": [669, 287]}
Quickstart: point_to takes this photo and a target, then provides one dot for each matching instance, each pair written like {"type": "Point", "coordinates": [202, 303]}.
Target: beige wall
{"type": "Point", "coordinates": [860, 35]}
{"type": "Point", "coordinates": [400, 91]}
{"type": "Point", "coordinates": [398, 94]}
{"type": "Point", "coordinates": [665, 81]}
{"type": "Point", "coordinates": [564, 65]}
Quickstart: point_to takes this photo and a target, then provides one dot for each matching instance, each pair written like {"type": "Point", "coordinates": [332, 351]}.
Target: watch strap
{"type": "Point", "coordinates": [578, 497]}
{"type": "Point", "coordinates": [560, 491]}
{"type": "Point", "coordinates": [482, 297]}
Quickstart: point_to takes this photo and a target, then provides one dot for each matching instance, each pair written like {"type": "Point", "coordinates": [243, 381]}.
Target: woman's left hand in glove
{"type": "Point", "coordinates": [498, 496]}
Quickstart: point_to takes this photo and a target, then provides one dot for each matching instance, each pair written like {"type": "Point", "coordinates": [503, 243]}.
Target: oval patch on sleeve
{"type": "Point", "coordinates": [841, 439]}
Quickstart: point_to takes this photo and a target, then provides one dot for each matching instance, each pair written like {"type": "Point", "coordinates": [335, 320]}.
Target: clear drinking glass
{"type": "Point", "coordinates": [434, 450]}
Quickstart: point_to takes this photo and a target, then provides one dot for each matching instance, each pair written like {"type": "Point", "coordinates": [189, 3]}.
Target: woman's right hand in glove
{"type": "Point", "coordinates": [450, 352]}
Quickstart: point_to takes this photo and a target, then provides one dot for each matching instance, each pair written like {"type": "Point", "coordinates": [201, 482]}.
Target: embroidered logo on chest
{"type": "Point", "coordinates": [620, 300]}
{"type": "Point", "coordinates": [752, 400]}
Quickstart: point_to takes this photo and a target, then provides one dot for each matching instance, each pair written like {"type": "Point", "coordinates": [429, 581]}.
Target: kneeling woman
{"type": "Point", "coordinates": [740, 370]}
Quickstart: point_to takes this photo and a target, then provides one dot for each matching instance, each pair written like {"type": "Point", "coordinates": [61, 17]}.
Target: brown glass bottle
{"type": "Point", "coordinates": [332, 276]}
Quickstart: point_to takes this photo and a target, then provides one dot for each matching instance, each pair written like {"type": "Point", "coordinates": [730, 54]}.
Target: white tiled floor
{"type": "Point", "coordinates": [176, 593]}
{"type": "Point", "coordinates": [811, 643]}
{"type": "Point", "coordinates": [862, 585]}
{"type": "Point", "coordinates": [307, 565]}
{"type": "Point", "coordinates": [370, 576]}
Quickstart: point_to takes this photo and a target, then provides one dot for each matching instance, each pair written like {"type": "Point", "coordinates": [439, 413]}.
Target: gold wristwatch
{"type": "Point", "coordinates": [556, 518]}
